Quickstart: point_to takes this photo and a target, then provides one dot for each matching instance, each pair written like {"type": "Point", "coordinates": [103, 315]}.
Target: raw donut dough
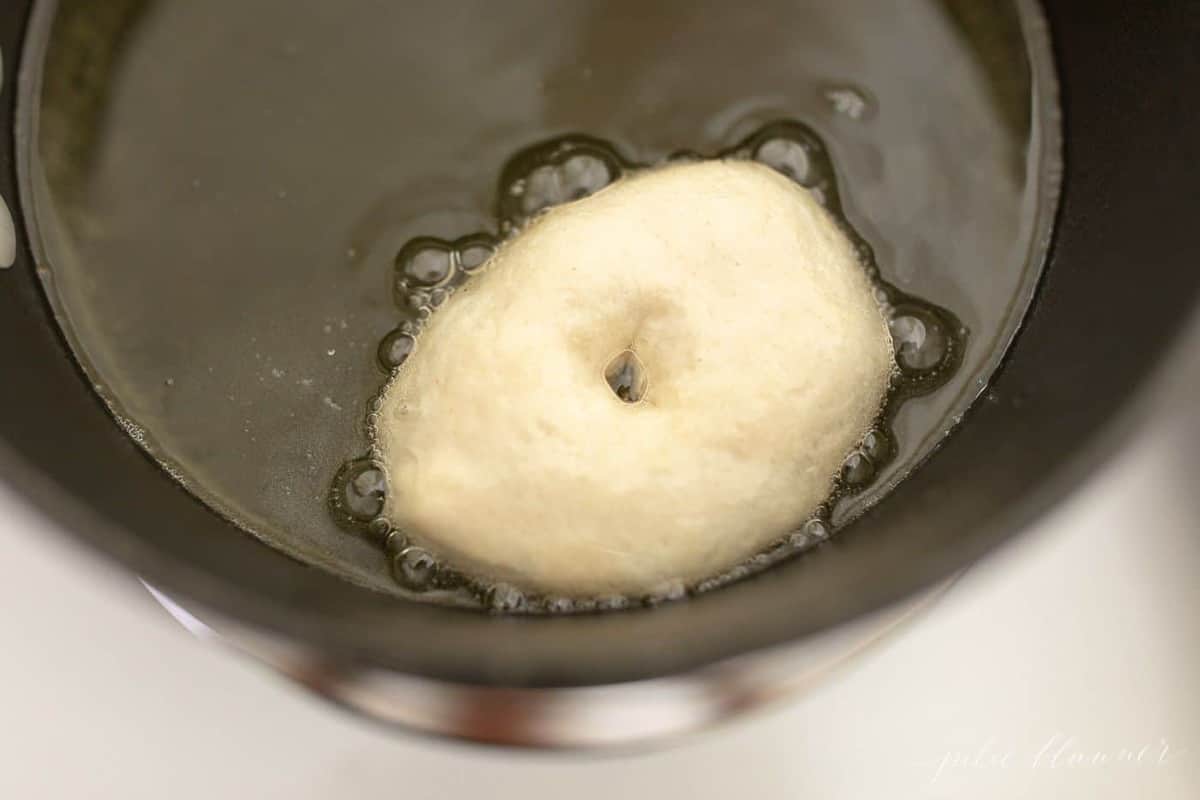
{"type": "Point", "coordinates": [765, 359]}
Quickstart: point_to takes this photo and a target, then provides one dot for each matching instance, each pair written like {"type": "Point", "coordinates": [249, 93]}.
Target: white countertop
{"type": "Point", "coordinates": [1066, 666]}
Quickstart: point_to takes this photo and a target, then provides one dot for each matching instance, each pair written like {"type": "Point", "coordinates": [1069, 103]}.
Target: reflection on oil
{"type": "Point", "coordinates": [80, 72]}
{"type": "Point", "coordinates": [992, 32]}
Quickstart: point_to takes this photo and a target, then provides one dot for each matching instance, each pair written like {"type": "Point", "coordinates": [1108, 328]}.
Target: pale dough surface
{"type": "Point", "coordinates": [508, 455]}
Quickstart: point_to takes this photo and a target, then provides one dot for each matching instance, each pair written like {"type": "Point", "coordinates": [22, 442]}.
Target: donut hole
{"type": "Point", "coordinates": [626, 376]}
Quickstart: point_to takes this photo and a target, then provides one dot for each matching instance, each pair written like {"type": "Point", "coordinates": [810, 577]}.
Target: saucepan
{"type": "Point", "coordinates": [200, 201]}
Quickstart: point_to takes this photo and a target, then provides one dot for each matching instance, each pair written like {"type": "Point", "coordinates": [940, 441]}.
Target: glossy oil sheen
{"type": "Point", "coordinates": [221, 194]}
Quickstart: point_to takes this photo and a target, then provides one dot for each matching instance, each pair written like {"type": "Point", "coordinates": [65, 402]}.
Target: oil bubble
{"type": "Point", "coordinates": [379, 528]}
{"type": "Point", "coordinates": [473, 252]}
{"type": "Point", "coordinates": [394, 542]}
{"type": "Point", "coordinates": [816, 530]}
{"type": "Point", "coordinates": [799, 541]}
{"type": "Point", "coordinates": [543, 189]}
{"type": "Point", "coordinates": [612, 602]}
{"type": "Point", "coordinates": [736, 574]}
{"type": "Point", "coordinates": [358, 490]}
{"type": "Point", "coordinates": [877, 446]}
{"type": "Point", "coordinates": [368, 483]}
{"type": "Point", "coordinates": [425, 261]}
{"type": "Point", "coordinates": [666, 593]}
{"type": "Point", "coordinates": [395, 348]}
{"type": "Point", "coordinates": [857, 469]}
{"type": "Point", "coordinates": [553, 173]}
{"type": "Point", "coordinates": [583, 175]}
{"type": "Point", "coordinates": [920, 341]}
{"type": "Point", "coordinates": [760, 561]}
{"type": "Point", "coordinates": [560, 605]}
{"type": "Point", "coordinates": [506, 598]}
{"type": "Point", "coordinates": [414, 568]}
{"type": "Point", "coordinates": [787, 157]}
{"type": "Point", "coordinates": [554, 184]}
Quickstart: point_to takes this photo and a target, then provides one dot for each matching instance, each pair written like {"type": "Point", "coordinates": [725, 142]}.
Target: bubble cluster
{"type": "Point", "coordinates": [553, 173]}
{"type": "Point", "coordinates": [862, 465]}
{"type": "Point", "coordinates": [796, 152]}
{"type": "Point", "coordinates": [506, 598]}
{"type": "Point", "coordinates": [669, 592]}
{"type": "Point", "coordinates": [428, 269]}
{"type": "Point", "coordinates": [928, 344]}
{"type": "Point", "coordinates": [612, 602]}
{"type": "Point", "coordinates": [559, 605]}
{"type": "Point", "coordinates": [553, 184]}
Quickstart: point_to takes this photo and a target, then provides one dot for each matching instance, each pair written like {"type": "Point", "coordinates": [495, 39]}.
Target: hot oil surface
{"type": "Point", "coordinates": [221, 196]}
{"type": "Point", "coordinates": [928, 340]}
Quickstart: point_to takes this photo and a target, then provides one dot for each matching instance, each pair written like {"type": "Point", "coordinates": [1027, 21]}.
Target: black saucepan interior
{"type": "Point", "coordinates": [1119, 287]}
